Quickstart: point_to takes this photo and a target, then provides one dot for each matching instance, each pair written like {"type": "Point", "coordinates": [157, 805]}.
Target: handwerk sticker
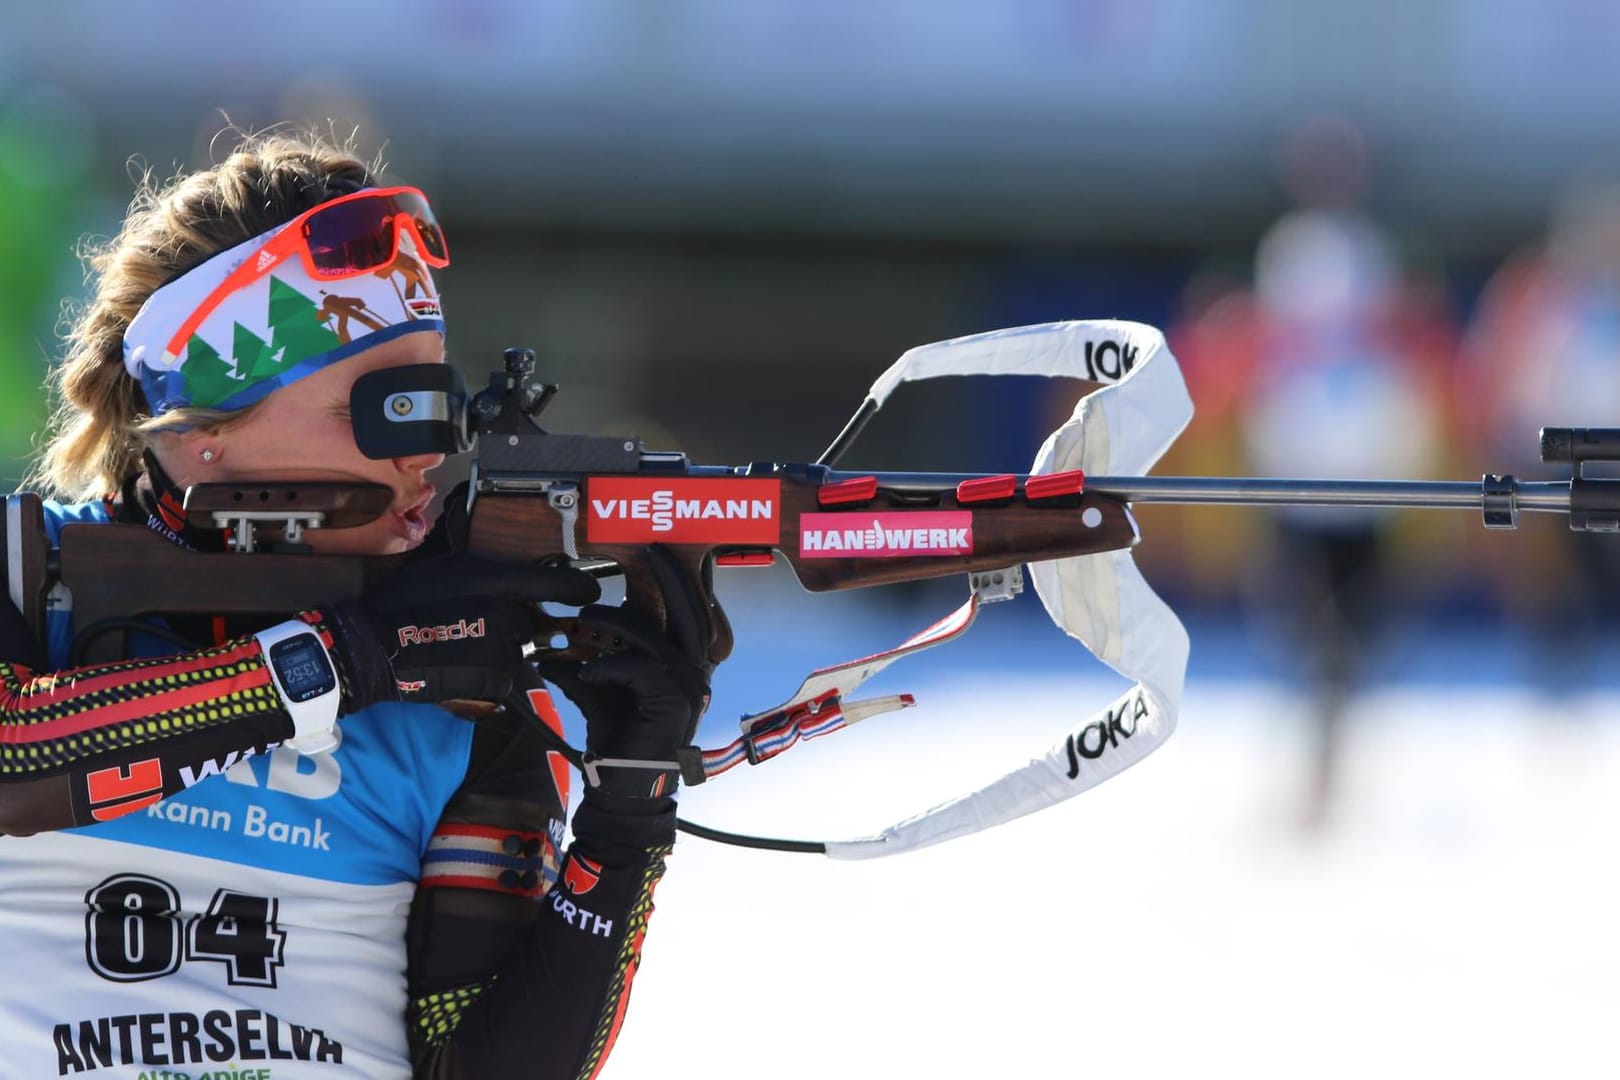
{"type": "Point", "coordinates": [924, 533]}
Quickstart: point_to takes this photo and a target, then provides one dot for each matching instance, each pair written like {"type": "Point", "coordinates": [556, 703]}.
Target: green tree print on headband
{"type": "Point", "coordinates": [296, 334]}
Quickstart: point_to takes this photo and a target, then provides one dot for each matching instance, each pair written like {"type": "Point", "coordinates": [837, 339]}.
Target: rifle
{"type": "Point", "coordinates": [600, 501]}
{"type": "Point", "coordinates": [526, 496]}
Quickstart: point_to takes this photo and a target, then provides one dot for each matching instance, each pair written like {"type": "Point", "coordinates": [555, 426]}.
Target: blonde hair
{"type": "Point", "coordinates": [100, 419]}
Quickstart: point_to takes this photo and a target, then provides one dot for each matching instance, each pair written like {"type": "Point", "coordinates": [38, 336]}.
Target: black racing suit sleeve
{"type": "Point", "coordinates": [92, 743]}
{"type": "Point", "coordinates": [532, 982]}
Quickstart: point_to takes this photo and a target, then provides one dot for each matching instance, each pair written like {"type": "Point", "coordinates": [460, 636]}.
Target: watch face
{"type": "Point", "coordinates": [303, 668]}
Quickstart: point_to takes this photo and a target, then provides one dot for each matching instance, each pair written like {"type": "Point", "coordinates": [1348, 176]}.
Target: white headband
{"type": "Point", "coordinates": [281, 327]}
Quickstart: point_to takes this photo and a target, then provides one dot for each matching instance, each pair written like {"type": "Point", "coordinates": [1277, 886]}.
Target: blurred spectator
{"type": "Point", "coordinates": [1543, 349]}
{"type": "Point", "coordinates": [1333, 366]}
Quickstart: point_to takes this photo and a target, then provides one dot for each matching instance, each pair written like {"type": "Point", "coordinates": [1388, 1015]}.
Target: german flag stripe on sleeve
{"type": "Point", "coordinates": [50, 721]}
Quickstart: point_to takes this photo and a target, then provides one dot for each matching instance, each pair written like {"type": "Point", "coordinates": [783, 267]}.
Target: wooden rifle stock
{"type": "Point", "coordinates": [128, 571]}
{"type": "Point", "coordinates": [1004, 532]}
{"type": "Point", "coordinates": [121, 572]}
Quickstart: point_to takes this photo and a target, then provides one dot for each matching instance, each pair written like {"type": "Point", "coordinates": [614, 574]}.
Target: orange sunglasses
{"type": "Point", "coordinates": [343, 238]}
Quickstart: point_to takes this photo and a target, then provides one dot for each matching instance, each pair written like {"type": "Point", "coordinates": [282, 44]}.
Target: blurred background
{"type": "Point", "coordinates": [1384, 240]}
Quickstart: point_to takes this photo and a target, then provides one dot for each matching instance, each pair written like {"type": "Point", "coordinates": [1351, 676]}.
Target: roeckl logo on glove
{"type": "Point", "coordinates": [428, 635]}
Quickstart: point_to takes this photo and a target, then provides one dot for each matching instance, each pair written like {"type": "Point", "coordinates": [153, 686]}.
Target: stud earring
{"type": "Point", "coordinates": [209, 455]}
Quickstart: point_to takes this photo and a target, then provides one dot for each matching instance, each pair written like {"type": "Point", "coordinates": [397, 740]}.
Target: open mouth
{"type": "Point", "coordinates": [415, 519]}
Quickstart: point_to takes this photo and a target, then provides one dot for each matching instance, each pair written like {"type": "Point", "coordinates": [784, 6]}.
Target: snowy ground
{"type": "Point", "coordinates": [1457, 916]}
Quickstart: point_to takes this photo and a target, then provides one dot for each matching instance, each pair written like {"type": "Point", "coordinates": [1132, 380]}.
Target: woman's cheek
{"type": "Point", "coordinates": [372, 539]}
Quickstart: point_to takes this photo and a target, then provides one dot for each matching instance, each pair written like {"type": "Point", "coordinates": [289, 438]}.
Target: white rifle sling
{"type": "Point", "coordinates": [1102, 600]}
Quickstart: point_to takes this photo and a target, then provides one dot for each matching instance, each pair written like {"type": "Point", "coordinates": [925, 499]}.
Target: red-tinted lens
{"type": "Point", "coordinates": [351, 237]}
{"type": "Point", "coordinates": [355, 236]}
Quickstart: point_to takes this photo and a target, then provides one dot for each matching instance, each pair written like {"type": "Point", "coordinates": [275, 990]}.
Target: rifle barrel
{"type": "Point", "coordinates": [1551, 496]}
{"type": "Point", "coordinates": [1496, 493]}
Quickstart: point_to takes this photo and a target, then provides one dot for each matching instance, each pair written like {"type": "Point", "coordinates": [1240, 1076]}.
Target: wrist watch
{"type": "Point", "coordinates": [301, 670]}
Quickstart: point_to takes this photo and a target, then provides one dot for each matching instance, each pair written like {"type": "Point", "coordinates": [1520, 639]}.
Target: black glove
{"type": "Point", "coordinates": [642, 701]}
{"type": "Point", "coordinates": [446, 627]}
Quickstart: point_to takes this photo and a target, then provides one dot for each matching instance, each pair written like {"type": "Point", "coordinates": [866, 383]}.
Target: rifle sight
{"type": "Point", "coordinates": [1575, 445]}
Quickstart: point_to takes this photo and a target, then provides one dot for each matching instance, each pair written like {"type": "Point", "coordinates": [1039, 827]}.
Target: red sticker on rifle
{"type": "Point", "coordinates": [886, 536]}
{"type": "Point", "coordinates": [636, 510]}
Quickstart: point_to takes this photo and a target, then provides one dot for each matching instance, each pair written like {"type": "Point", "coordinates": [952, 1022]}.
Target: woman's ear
{"type": "Point", "coordinates": [198, 448]}
{"type": "Point", "coordinates": [189, 457]}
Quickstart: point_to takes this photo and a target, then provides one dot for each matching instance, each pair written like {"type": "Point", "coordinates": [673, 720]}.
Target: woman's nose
{"type": "Point", "coordinates": [419, 463]}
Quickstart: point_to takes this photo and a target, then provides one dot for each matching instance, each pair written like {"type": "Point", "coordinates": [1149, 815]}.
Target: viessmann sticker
{"type": "Point", "coordinates": [719, 510]}
{"type": "Point", "coordinates": [867, 536]}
